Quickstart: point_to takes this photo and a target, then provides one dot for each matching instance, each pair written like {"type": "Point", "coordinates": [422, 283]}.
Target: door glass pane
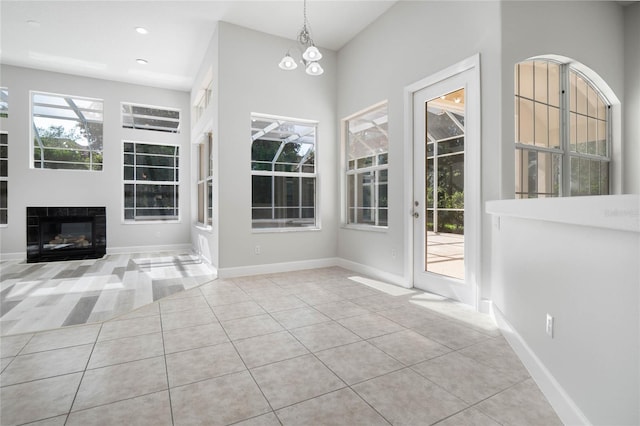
{"type": "Point", "coordinates": [444, 213]}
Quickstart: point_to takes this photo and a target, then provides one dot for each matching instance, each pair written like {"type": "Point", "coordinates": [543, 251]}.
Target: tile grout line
{"type": "Point", "coordinates": [327, 367]}
{"type": "Point", "coordinates": [243, 363]}
{"type": "Point", "coordinates": [75, 396]}
{"type": "Point", "coordinates": [166, 367]}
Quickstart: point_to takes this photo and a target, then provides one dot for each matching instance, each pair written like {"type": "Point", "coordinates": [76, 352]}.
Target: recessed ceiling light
{"type": "Point", "coordinates": [142, 30]}
{"type": "Point", "coordinates": [142, 61]}
{"type": "Point", "coordinates": [33, 23]}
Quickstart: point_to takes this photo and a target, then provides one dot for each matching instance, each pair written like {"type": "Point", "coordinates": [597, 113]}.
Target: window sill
{"type": "Point", "coordinates": [282, 230]}
{"type": "Point", "coordinates": [616, 212]}
{"type": "Point", "coordinates": [201, 227]}
{"type": "Point", "coordinates": [150, 222]}
{"type": "Point", "coordinates": [371, 228]}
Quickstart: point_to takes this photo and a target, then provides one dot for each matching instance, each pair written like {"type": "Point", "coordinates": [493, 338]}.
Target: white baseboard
{"type": "Point", "coordinates": [115, 250]}
{"type": "Point", "coordinates": [13, 256]}
{"type": "Point", "coordinates": [273, 268]}
{"type": "Point", "coordinates": [150, 249]}
{"type": "Point", "coordinates": [565, 407]}
{"type": "Point", "coordinates": [374, 273]}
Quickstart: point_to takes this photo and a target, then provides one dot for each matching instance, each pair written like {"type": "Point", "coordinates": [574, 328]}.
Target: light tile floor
{"type": "Point", "coordinates": [40, 296]}
{"type": "Point", "coordinates": [314, 347]}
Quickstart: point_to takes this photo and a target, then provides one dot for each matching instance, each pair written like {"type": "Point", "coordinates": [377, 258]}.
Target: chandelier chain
{"type": "Point", "coordinates": [304, 12]}
{"type": "Point", "coordinates": [304, 37]}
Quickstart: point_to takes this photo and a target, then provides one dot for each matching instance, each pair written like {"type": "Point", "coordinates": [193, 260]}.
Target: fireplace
{"type": "Point", "coordinates": [65, 233]}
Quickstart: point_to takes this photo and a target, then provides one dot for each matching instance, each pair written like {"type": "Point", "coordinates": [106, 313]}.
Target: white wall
{"type": "Point", "coordinates": [632, 98]}
{"type": "Point", "coordinates": [408, 43]}
{"type": "Point", "coordinates": [249, 80]}
{"type": "Point", "coordinates": [586, 276]}
{"type": "Point", "coordinates": [33, 187]}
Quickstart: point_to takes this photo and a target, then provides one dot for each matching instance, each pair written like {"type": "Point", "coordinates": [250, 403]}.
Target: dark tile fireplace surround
{"type": "Point", "coordinates": [66, 233]}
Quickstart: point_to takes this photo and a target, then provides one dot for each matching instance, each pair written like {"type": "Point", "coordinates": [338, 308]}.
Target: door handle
{"type": "Point", "coordinates": [416, 215]}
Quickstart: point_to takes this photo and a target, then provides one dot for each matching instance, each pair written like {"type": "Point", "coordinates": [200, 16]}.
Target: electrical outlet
{"type": "Point", "coordinates": [549, 326]}
{"type": "Point", "coordinates": [256, 249]}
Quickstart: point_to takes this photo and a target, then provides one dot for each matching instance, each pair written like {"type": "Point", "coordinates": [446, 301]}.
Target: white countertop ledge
{"type": "Point", "coordinates": [616, 212]}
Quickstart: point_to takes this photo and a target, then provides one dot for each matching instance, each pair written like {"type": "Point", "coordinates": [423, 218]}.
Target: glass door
{"type": "Point", "coordinates": [443, 209]}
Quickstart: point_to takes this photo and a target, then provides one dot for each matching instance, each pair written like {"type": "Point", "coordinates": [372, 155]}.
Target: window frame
{"type": "Point", "coordinates": [5, 179]}
{"type": "Point", "coordinates": [284, 174]}
{"type": "Point", "coordinates": [155, 107]}
{"type": "Point", "coordinates": [35, 137]}
{"type": "Point", "coordinates": [564, 150]}
{"type": "Point", "coordinates": [176, 183]}
{"type": "Point", "coordinates": [204, 151]}
{"type": "Point", "coordinates": [203, 98]}
{"type": "Point", "coordinates": [353, 173]}
{"type": "Point", "coordinates": [4, 102]}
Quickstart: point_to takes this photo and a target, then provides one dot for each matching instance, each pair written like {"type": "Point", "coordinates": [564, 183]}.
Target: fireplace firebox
{"type": "Point", "coordinates": [65, 233]}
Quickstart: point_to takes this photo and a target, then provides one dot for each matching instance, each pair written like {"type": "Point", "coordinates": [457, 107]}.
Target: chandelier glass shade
{"type": "Point", "coordinates": [310, 53]}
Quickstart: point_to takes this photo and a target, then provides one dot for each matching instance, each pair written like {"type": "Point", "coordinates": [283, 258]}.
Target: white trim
{"type": "Point", "coordinates": [281, 117]}
{"type": "Point", "coordinates": [147, 249]}
{"type": "Point", "coordinates": [615, 212]}
{"type": "Point", "coordinates": [116, 250]}
{"type": "Point", "coordinates": [565, 407]}
{"type": "Point", "coordinates": [194, 250]}
{"type": "Point", "coordinates": [285, 229]}
{"type": "Point", "coordinates": [363, 227]}
{"type": "Point", "coordinates": [22, 256]}
{"type": "Point", "coordinates": [472, 174]}
{"type": "Point", "coordinates": [374, 273]}
{"type": "Point", "coordinates": [272, 268]}
{"type": "Point", "coordinates": [177, 130]}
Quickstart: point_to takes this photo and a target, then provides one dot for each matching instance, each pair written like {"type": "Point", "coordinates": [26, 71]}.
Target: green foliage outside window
{"type": "Point", "coordinates": [60, 149]}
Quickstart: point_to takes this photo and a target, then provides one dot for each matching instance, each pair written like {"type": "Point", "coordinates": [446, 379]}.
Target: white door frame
{"type": "Point", "coordinates": [472, 174]}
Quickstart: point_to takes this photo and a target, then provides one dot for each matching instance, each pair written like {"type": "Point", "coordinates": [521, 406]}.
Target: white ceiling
{"type": "Point", "coordinates": [98, 38]}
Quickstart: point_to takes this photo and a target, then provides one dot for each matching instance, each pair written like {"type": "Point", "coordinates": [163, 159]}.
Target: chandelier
{"type": "Point", "coordinates": [310, 56]}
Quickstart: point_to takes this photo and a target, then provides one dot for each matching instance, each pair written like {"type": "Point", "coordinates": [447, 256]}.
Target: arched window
{"type": "Point", "coordinates": [562, 132]}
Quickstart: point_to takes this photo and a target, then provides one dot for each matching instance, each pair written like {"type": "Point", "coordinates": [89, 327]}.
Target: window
{"type": "Point", "coordinates": [150, 181]}
{"type": "Point", "coordinates": [4, 173]}
{"type": "Point", "coordinates": [150, 118]}
{"type": "Point", "coordinates": [203, 96]}
{"type": "Point", "coordinates": [283, 173]}
{"type": "Point", "coordinates": [562, 132]}
{"type": "Point", "coordinates": [205, 181]}
{"type": "Point", "coordinates": [367, 164]}
{"type": "Point", "coordinates": [4, 102]}
{"type": "Point", "coordinates": [67, 132]}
